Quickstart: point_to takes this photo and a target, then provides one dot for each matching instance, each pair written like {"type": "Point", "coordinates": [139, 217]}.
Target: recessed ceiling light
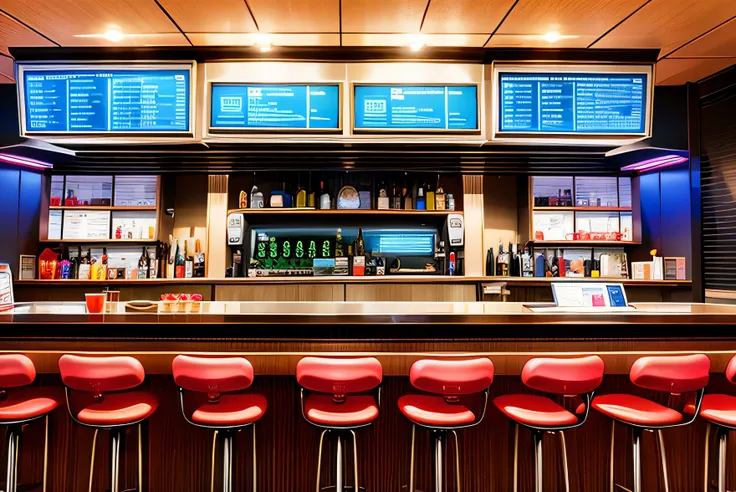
{"type": "Point", "coordinates": [264, 48]}
{"type": "Point", "coordinates": [552, 37]}
{"type": "Point", "coordinates": [415, 42]}
{"type": "Point", "coordinates": [113, 35]}
{"type": "Point", "coordinates": [416, 46]}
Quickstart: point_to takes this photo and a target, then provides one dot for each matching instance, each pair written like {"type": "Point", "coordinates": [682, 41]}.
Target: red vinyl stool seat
{"type": "Point", "coordinates": [563, 380]}
{"type": "Point", "coordinates": [430, 410]}
{"type": "Point", "coordinates": [227, 410]}
{"type": "Point", "coordinates": [720, 410]}
{"type": "Point", "coordinates": [232, 410]}
{"type": "Point", "coordinates": [356, 411]}
{"type": "Point", "coordinates": [20, 405]}
{"type": "Point", "coordinates": [679, 376]}
{"type": "Point", "coordinates": [534, 410]}
{"type": "Point", "coordinates": [449, 387]}
{"type": "Point", "coordinates": [106, 402]}
{"type": "Point", "coordinates": [340, 395]}
{"type": "Point", "coordinates": [633, 409]}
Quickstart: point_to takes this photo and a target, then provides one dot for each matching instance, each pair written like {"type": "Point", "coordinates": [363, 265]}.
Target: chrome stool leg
{"type": "Point", "coordinates": [115, 437]}
{"type": "Point", "coordinates": [722, 448]}
{"type": "Point", "coordinates": [339, 465]}
{"type": "Point", "coordinates": [516, 457]}
{"type": "Point", "coordinates": [319, 457]}
{"type": "Point", "coordinates": [92, 460]}
{"type": "Point", "coordinates": [227, 462]}
{"type": "Point", "coordinates": [437, 439]}
{"type": "Point", "coordinates": [13, 439]}
{"type": "Point", "coordinates": [707, 449]}
{"type": "Point", "coordinates": [411, 464]}
{"type": "Point", "coordinates": [214, 453]}
{"type": "Point", "coordinates": [537, 435]}
{"type": "Point", "coordinates": [356, 486]}
{"type": "Point", "coordinates": [457, 461]}
{"type": "Point", "coordinates": [565, 469]}
{"type": "Point", "coordinates": [663, 456]}
{"type": "Point", "coordinates": [636, 451]}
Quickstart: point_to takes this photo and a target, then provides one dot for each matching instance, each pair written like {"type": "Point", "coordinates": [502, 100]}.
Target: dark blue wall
{"type": "Point", "coordinates": [20, 193]}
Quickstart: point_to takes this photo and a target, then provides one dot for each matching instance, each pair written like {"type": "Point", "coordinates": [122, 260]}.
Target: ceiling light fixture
{"type": "Point", "coordinates": [552, 37]}
{"type": "Point", "coordinates": [113, 35]}
{"type": "Point", "coordinates": [264, 48]}
{"type": "Point", "coordinates": [415, 42]}
{"type": "Point", "coordinates": [24, 161]}
{"type": "Point", "coordinates": [416, 46]}
{"type": "Point", "coordinates": [655, 163]}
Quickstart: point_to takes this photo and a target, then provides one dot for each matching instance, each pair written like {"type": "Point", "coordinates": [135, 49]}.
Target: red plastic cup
{"type": "Point", "coordinates": [95, 302]}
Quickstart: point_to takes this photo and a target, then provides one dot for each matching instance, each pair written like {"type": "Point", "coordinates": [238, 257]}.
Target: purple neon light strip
{"type": "Point", "coordinates": [25, 162]}
{"type": "Point", "coordinates": [655, 163]}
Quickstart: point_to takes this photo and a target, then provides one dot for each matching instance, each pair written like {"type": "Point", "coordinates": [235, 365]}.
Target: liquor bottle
{"type": "Point", "coordinates": [540, 266]}
{"type": "Point", "coordinates": [561, 265]}
{"type": "Point", "coordinates": [383, 202]}
{"type": "Point", "coordinates": [502, 263]}
{"type": "Point", "coordinates": [554, 269]}
{"type": "Point", "coordinates": [421, 199]}
{"type": "Point", "coordinates": [430, 198]}
{"type": "Point", "coordinates": [179, 268]}
{"type": "Point", "coordinates": [527, 263]}
{"type": "Point", "coordinates": [439, 198]}
{"type": "Point", "coordinates": [339, 247]}
{"type": "Point", "coordinates": [84, 265]}
{"type": "Point", "coordinates": [102, 272]}
{"type": "Point", "coordinates": [74, 264]}
{"type": "Point", "coordinates": [188, 258]}
{"type": "Point", "coordinates": [513, 261]}
{"type": "Point", "coordinates": [359, 258]}
{"type": "Point", "coordinates": [152, 265]}
{"type": "Point", "coordinates": [143, 264]}
{"type": "Point", "coordinates": [198, 260]}
{"type": "Point", "coordinates": [490, 263]}
{"type": "Point", "coordinates": [310, 194]}
{"type": "Point", "coordinates": [324, 197]}
{"type": "Point", "coordinates": [408, 200]}
{"type": "Point", "coordinates": [301, 194]}
{"type": "Point", "coordinates": [396, 198]}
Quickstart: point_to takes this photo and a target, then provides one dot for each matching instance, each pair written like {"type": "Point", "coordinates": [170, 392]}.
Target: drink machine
{"type": "Point", "coordinates": [453, 241]}
{"type": "Point", "coordinates": [235, 235]}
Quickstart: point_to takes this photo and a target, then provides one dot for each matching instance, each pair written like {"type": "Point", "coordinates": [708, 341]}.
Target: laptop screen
{"type": "Point", "coordinates": [589, 294]}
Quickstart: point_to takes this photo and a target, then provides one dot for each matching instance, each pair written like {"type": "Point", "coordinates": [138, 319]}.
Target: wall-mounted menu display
{"type": "Point", "coordinates": [297, 107]}
{"type": "Point", "coordinates": [552, 100]}
{"type": "Point", "coordinates": [84, 99]}
{"type": "Point", "coordinates": [411, 108]}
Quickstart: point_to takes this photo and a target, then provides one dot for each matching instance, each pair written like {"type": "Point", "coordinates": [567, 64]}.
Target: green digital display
{"type": "Point", "coordinates": [292, 252]}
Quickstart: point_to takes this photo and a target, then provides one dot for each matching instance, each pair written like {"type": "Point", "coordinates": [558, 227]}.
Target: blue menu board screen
{"type": "Point", "coordinates": [412, 107]}
{"type": "Point", "coordinates": [593, 103]}
{"type": "Point", "coordinates": [268, 106]}
{"type": "Point", "coordinates": [98, 100]}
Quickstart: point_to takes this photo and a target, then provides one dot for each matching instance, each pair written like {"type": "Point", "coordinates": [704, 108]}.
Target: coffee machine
{"type": "Point", "coordinates": [451, 248]}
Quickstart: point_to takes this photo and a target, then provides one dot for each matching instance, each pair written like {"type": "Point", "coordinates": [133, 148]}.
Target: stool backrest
{"type": "Point", "coordinates": [338, 376]}
{"type": "Point", "coordinates": [16, 370]}
{"type": "Point", "coordinates": [452, 377]}
{"type": "Point", "coordinates": [731, 370]}
{"type": "Point", "coordinates": [575, 376]}
{"type": "Point", "coordinates": [212, 374]}
{"type": "Point", "coordinates": [671, 373]}
{"type": "Point", "coordinates": [100, 374]}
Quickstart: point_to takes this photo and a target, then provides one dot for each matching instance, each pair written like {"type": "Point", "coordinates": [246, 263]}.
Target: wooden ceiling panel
{"type": "Point", "coordinates": [719, 42]}
{"type": "Point", "coordinates": [7, 70]}
{"type": "Point", "coordinates": [370, 39]}
{"type": "Point", "coordinates": [211, 15]}
{"type": "Point", "coordinates": [14, 34]}
{"type": "Point", "coordinates": [537, 41]}
{"type": "Point", "coordinates": [246, 39]}
{"type": "Point", "coordinates": [668, 24]}
{"type": "Point", "coordinates": [571, 17]}
{"type": "Point", "coordinates": [297, 15]}
{"type": "Point", "coordinates": [465, 16]}
{"type": "Point", "coordinates": [384, 16]}
{"type": "Point", "coordinates": [677, 71]}
{"type": "Point", "coordinates": [61, 20]}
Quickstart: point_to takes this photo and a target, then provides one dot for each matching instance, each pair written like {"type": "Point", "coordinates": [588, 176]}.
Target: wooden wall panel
{"type": "Point", "coordinates": [190, 209]}
{"type": "Point", "coordinates": [217, 249]}
{"type": "Point", "coordinates": [473, 213]}
{"type": "Point", "coordinates": [282, 292]}
{"type": "Point", "coordinates": [410, 292]}
{"type": "Point", "coordinates": [179, 454]}
{"type": "Point", "coordinates": [500, 212]}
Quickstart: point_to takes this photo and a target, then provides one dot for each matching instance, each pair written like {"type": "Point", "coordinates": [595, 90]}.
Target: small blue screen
{"type": "Point", "coordinates": [592, 103]}
{"type": "Point", "coordinates": [264, 106]}
{"type": "Point", "coordinates": [99, 100]}
{"type": "Point", "coordinates": [413, 107]}
{"type": "Point", "coordinates": [616, 296]}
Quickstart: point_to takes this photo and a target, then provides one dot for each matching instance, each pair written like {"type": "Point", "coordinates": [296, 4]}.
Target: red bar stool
{"type": "Point", "coordinates": [20, 407]}
{"type": "Point", "coordinates": [451, 384]}
{"type": "Point", "coordinates": [339, 396]}
{"type": "Point", "coordinates": [111, 407]}
{"type": "Point", "coordinates": [226, 410]}
{"type": "Point", "coordinates": [720, 411]}
{"type": "Point", "coordinates": [682, 377]}
{"type": "Point", "coordinates": [565, 379]}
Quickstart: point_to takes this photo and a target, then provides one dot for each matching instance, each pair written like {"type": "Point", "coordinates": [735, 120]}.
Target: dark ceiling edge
{"type": "Point", "coordinates": [336, 54]}
{"type": "Point", "coordinates": [717, 82]}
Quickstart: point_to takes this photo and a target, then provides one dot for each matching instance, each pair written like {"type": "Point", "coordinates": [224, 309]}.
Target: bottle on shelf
{"type": "Point", "coordinates": [311, 194]}
{"type": "Point", "coordinates": [102, 272]}
{"type": "Point", "coordinates": [430, 197]}
{"type": "Point", "coordinates": [561, 265]}
{"type": "Point", "coordinates": [421, 199]}
{"type": "Point", "coordinates": [382, 203]}
{"type": "Point", "coordinates": [490, 263]}
{"type": "Point", "coordinates": [408, 200]}
{"type": "Point", "coordinates": [396, 198]}
{"type": "Point", "coordinates": [540, 265]}
{"type": "Point", "coordinates": [359, 258]}
{"type": "Point", "coordinates": [152, 265]}
{"type": "Point", "coordinates": [554, 265]}
{"type": "Point", "coordinates": [256, 198]}
{"type": "Point", "coordinates": [171, 258]}
{"type": "Point", "coordinates": [198, 268]}
{"type": "Point", "coordinates": [324, 197]}
{"type": "Point", "coordinates": [502, 263]}
{"type": "Point", "coordinates": [179, 268]}
{"type": "Point", "coordinates": [527, 263]}
{"type": "Point", "coordinates": [188, 258]}
{"type": "Point", "coordinates": [301, 194]}
{"type": "Point", "coordinates": [143, 264]}
{"type": "Point", "coordinates": [243, 199]}
{"type": "Point", "coordinates": [84, 264]}
{"type": "Point", "coordinates": [440, 203]}
{"type": "Point", "coordinates": [450, 202]}
{"type": "Point", "coordinates": [514, 266]}
{"type": "Point", "coordinates": [279, 198]}
{"type": "Point", "coordinates": [74, 264]}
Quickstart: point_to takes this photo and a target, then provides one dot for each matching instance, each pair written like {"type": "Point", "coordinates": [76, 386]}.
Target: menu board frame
{"type": "Point", "coordinates": [472, 131]}
{"type": "Point", "coordinates": [531, 67]}
{"type": "Point", "coordinates": [190, 66]}
{"type": "Point", "coordinates": [260, 130]}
